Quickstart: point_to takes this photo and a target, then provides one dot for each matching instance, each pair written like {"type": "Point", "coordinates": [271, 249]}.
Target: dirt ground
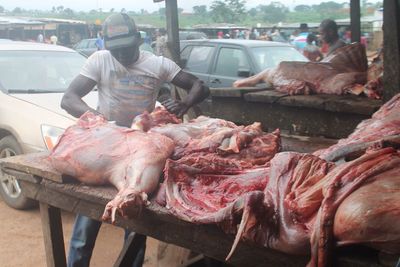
{"type": "Point", "coordinates": [22, 240]}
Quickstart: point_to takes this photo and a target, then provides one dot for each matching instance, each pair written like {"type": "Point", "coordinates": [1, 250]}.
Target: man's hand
{"type": "Point", "coordinates": [176, 107]}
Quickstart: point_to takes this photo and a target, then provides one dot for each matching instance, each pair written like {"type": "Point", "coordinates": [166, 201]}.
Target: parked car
{"type": "Point", "coordinates": [220, 62]}
{"type": "Point", "coordinates": [33, 78]}
{"type": "Point", "coordinates": [192, 35]}
{"type": "Point", "coordinates": [86, 46]}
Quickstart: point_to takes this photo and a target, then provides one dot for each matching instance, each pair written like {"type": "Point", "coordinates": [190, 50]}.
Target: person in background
{"type": "Point", "coordinates": [128, 81]}
{"type": "Point", "coordinates": [300, 41]}
{"type": "Point", "coordinates": [40, 38]}
{"type": "Point", "coordinates": [329, 34]}
{"type": "Point", "coordinates": [293, 35]}
{"type": "Point", "coordinates": [220, 35]}
{"type": "Point", "coordinates": [311, 50]}
{"type": "Point", "coordinates": [100, 41]}
{"type": "Point", "coordinates": [263, 36]}
{"type": "Point", "coordinates": [53, 39]}
{"type": "Point", "coordinates": [161, 42]}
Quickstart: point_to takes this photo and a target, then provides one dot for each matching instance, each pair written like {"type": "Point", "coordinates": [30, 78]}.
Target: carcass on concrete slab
{"type": "Point", "coordinates": [334, 75]}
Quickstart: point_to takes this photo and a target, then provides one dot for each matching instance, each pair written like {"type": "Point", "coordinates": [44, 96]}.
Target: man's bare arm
{"type": "Point", "coordinates": [197, 92]}
{"type": "Point", "coordinates": [72, 100]}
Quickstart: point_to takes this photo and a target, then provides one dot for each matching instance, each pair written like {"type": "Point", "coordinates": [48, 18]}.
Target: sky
{"type": "Point", "coordinates": [136, 5]}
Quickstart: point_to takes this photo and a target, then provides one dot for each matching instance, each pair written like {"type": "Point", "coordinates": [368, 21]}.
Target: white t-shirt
{"type": "Point", "coordinates": [127, 92]}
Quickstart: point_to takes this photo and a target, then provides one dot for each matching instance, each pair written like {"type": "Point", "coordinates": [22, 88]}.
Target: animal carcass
{"type": "Point", "coordinates": [95, 151]}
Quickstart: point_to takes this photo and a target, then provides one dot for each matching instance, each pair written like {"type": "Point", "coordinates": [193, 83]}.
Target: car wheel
{"type": "Point", "coordinates": [10, 189]}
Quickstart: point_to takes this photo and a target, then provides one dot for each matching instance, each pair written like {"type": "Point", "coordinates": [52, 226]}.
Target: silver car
{"type": "Point", "coordinates": [33, 78]}
{"type": "Point", "coordinates": [220, 62]}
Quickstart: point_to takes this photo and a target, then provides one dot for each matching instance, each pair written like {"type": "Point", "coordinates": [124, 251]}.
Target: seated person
{"type": "Point", "coordinates": [311, 51]}
{"type": "Point", "coordinates": [328, 30]}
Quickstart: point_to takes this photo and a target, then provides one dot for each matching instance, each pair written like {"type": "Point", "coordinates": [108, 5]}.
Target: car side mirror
{"type": "Point", "coordinates": [243, 73]}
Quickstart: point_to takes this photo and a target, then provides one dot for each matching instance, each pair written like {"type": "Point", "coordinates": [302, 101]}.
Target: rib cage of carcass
{"type": "Point", "coordinates": [235, 176]}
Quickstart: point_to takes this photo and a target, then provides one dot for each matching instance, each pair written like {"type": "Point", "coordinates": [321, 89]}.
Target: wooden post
{"type": "Point", "coordinates": [391, 48]}
{"type": "Point", "coordinates": [53, 235]}
{"type": "Point", "coordinates": [355, 23]}
{"type": "Point", "coordinates": [171, 10]}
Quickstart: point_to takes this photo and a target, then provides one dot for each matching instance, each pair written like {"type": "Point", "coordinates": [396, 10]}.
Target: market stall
{"type": "Point", "coordinates": [56, 192]}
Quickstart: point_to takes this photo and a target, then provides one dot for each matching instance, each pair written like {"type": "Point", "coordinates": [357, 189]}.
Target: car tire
{"type": "Point", "coordinates": [10, 188]}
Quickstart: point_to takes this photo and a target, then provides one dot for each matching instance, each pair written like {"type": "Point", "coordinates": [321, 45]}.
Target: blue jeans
{"type": "Point", "coordinates": [82, 242]}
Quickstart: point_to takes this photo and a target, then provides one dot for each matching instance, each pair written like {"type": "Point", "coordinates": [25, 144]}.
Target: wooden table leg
{"type": "Point", "coordinates": [53, 235]}
{"type": "Point", "coordinates": [131, 248]}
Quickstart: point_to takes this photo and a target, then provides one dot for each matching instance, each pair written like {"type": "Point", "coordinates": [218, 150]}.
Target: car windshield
{"type": "Point", "coordinates": [271, 56]}
{"type": "Point", "coordinates": [38, 71]}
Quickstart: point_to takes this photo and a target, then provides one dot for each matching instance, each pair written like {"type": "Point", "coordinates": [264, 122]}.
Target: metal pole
{"type": "Point", "coordinates": [391, 48]}
{"type": "Point", "coordinates": [355, 21]}
{"type": "Point", "coordinates": [171, 10]}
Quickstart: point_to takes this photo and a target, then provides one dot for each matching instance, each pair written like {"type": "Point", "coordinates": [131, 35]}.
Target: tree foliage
{"type": "Point", "coordinates": [302, 8]}
{"type": "Point", "coordinates": [229, 11]}
{"type": "Point", "coordinates": [274, 12]}
{"type": "Point", "coordinates": [200, 10]}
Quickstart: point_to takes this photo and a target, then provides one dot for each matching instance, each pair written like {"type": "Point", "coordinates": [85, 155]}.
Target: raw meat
{"type": "Point", "coordinates": [207, 135]}
{"type": "Point", "coordinates": [384, 126]}
{"type": "Point", "coordinates": [159, 116]}
{"type": "Point", "coordinates": [334, 75]}
{"type": "Point", "coordinates": [97, 152]}
{"type": "Point", "coordinates": [339, 184]}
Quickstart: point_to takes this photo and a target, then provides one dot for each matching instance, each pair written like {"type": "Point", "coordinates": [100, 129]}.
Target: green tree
{"type": "Point", "coordinates": [230, 11]}
{"type": "Point", "coordinates": [253, 12]}
{"type": "Point", "coordinates": [328, 7]}
{"type": "Point", "coordinates": [60, 9]}
{"type": "Point", "coordinates": [274, 12]}
{"type": "Point", "coordinates": [200, 10]}
{"type": "Point", "coordinates": [69, 12]}
{"type": "Point", "coordinates": [302, 8]}
{"type": "Point", "coordinates": [161, 11]}
{"type": "Point", "coordinates": [17, 10]}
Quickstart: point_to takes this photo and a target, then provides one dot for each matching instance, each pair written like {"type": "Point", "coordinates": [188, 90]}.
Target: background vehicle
{"type": "Point", "coordinates": [192, 35]}
{"type": "Point", "coordinates": [220, 62]}
{"type": "Point", "coordinates": [33, 78]}
{"type": "Point", "coordinates": [86, 46]}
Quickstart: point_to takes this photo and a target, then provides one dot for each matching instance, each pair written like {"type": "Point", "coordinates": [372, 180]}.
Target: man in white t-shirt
{"type": "Point", "coordinates": [128, 81]}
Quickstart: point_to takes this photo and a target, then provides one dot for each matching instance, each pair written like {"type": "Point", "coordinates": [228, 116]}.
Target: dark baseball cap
{"type": "Point", "coordinates": [120, 31]}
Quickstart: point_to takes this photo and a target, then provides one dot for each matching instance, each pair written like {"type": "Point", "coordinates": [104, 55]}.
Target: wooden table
{"type": "Point", "coordinates": [56, 192]}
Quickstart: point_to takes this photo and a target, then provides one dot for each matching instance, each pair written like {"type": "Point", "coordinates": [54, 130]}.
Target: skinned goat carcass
{"type": "Point", "coordinates": [336, 74]}
{"type": "Point", "coordinates": [95, 151]}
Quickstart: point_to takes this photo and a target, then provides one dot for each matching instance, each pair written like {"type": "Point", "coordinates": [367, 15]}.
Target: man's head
{"type": "Point", "coordinates": [303, 27]}
{"type": "Point", "coordinates": [329, 31]}
{"type": "Point", "coordinates": [122, 38]}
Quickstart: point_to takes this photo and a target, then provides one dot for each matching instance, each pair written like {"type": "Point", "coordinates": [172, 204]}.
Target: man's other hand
{"type": "Point", "coordinates": [176, 107]}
